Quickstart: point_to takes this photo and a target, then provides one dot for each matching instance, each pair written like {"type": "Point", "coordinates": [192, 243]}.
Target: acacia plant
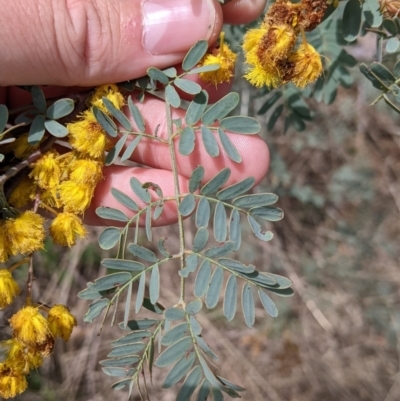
{"type": "Point", "coordinates": [283, 57]}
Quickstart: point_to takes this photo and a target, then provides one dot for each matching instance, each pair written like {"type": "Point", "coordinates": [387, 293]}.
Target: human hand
{"type": "Point", "coordinates": [86, 43]}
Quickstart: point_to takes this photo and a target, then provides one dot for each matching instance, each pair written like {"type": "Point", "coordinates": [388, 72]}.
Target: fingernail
{"type": "Point", "coordinates": [173, 26]}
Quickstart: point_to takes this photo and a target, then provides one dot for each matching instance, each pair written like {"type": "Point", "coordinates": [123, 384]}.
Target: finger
{"type": "Point", "coordinates": [119, 177]}
{"type": "Point", "coordinates": [253, 150]}
{"type": "Point", "coordinates": [242, 11]}
{"type": "Point", "coordinates": [92, 42]}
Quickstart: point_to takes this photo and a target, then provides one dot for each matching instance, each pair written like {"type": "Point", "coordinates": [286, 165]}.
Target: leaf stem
{"type": "Point", "coordinates": [171, 144]}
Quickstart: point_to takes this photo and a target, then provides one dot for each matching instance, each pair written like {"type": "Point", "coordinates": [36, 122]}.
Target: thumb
{"type": "Point", "coordinates": [92, 42]}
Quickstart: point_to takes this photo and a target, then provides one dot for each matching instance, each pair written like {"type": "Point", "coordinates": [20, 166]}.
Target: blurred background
{"type": "Point", "coordinates": [338, 338]}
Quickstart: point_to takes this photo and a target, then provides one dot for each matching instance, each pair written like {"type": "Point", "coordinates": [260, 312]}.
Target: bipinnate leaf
{"type": "Point", "coordinates": [235, 232]}
{"type": "Point", "coordinates": [124, 199]}
{"type": "Point", "coordinates": [187, 205]}
{"type": "Point", "coordinates": [195, 179]}
{"type": "Point", "coordinates": [105, 121]}
{"type": "Point", "coordinates": [221, 108]}
{"type": "Point", "coordinates": [248, 305]}
{"type": "Point", "coordinates": [109, 237]}
{"type": "Point", "coordinates": [255, 200]}
{"type": "Point", "coordinates": [143, 253]}
{"type": "Point", "coordinates": [180, 369]}
{"type": "Point", "coordinates": [229, 147]}
{"type": "Point", "coordinates": [236, 266]}
{"type": "Point", "coordinates": [95, 310]}
{"type": "Point", "coordinates": [187, 141]}
{"type": "Point", "coordinates": [174, 334]}
{"type": "Point", "coordinates": [39, 100]}
{"type": "Point", "coordinates": [174, 314]}
{"type": "Point", "coordinates": [115, 150]}
{"type": "Point", "coordinates": [220, 226]}
{"type": "Point", "coordinates": [111, 281]}
{"type": "Point", "coordinates": [122, 353]}
{"type": "Point", "coordinates": [194, 307]}
{"type": "Point", "coordinates": [204, 391]}
{"type": "Point", "coordinates": [154, 285]}
{"type": "Point", "coordinates": [216, 182]}
{"type": "Point", "coordinates": [117, 114]}
{"type": "Point", "coordinates": [117, 371]}
{"type": "Point", "coordinates": [196, 108]}
{"type": "Point", "coordinates": [351, 22]}
{"type": "Point", "coordinates": [172, 96]}
{"type": "Point", "coordinates": [56, 129]}
{"type": "Point", "coordinates": [268, 213]}
{"type": "Point", "coordinates": [137, 188]}
{"type": "Point", "coordinates": [190, 265]}
{"type": "Point", "coordinates": [221, 250]}
{"type": "Point", "coordinates": [268, 304]}
{"type": "Point", "coordinates": [140, 292]}
{"type": "Point", "coordinates": [200, 239]}
{"type": "Point", "coordinates": [174, 352]}
{"type": "Point", "coordinates": [36, 130]}
{"type": "Point", "coordinates": [258, 231]}
{"type": "Point", "coordinates": [230, 298]}
{"type": "Point", "coordinates": [209, 141]}
{"type": "Point", "coordinates": [122, 264]}
{"type": "Point", "coordinates": [131, 148]}
{"type": "Point", "coordinates": [110, 213]}
{"type": "Point", "coordinates": [136, 115]}
{"type": "Point", "coordinates": [202, 279]}
{"type": "Point", "coordinates": [190, 384]}
{"type": "Point", "coordinates": [158, 75]}
{"type": "Point", "coordinates": [139, 324]}
{"type": "Point", "coordinates": [203, 213]}
{"type": "Point", "coordinates": [217, 394]}
{"type": "Point", "coordinates": [241, 125]}
{"type": "Point", "coordinates": [214, 288]}
{"type": "Point", "coordinates": [194, 55]}
{"type": "Point", "coordinates": [187, 86]}
{"type": "Point", "coordinates": [131, 339]}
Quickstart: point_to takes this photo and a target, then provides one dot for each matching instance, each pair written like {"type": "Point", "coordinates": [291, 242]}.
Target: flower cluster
{"type": "Point", "coordinates": [32, 340]}
{"type": "Point", "coordinates": [63, 184]}
{"type": "Point", "coordinates": [271, 52]}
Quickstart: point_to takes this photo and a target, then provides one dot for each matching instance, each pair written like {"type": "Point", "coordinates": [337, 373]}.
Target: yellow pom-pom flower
{"type": "Point", "coordinates": [88, 137]}
{"type": "Point", "coordinates": [25, 233]}
{"type": "Point", "coordinates": [46, 171]}
{"type": "Point", "coordinates": [22, 148]}
{"type": "Point", "coordinates": [23, 192]}
{"type": "Point", "coordinates": [61, 322]}
{"type": "Point", "coordinates": [20, 357]}
{"type": "Point", "coordinates": [75, 197]}
{"type": "Point", "coordinates": [277, 43]}
{"type": "Point", "coordinates": [12, 384]}
{"type": "Point", "coordinates": [32, 329]}
{"type": "Point", "coordinates": [259, 76]}
{"type": "Point", "coordinates": [226, 59]}
{"type": "Point", "coordinates": [86, 171]}
{"type": "Point", "coordinates": [9, 288]}
{"type": "Point", "coordinates": [66, 228]}
{"type": "Point", "coordinates": [110, 92]}
{"type": "Point", "coordinates": [307, 65]}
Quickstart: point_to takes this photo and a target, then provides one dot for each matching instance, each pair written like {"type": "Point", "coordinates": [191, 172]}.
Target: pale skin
{"type": "Point", "coordinates": [70, 43]}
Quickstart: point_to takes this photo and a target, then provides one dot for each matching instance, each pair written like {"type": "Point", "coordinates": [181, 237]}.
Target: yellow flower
{"type": "Point", "coordinates": [86, 172]}
{"type": "Point", "coordinates": [23, 193]}
{"type": "Point", "coordinates": [5, 250]}
{"type": "Point", "coordinates": [22, 148]}
{"type": "Point", "coordinates": [259, 76]}
{"type": "Point", "coordinates": [112, 93]}
{"type": "Point", "coordinates": [25, 233]}
{"type": "Point", "coordinates": [226, 59]}
{"type": "Point", "coordinates": [61, 322]}
{"type": "Point", "coordinates": [252, 38]}
{"type": "Point", "coordinates": [277, 43]}
{"type": "Point", "coordinates": [66, 228]}
{"type": "Point", "coordinates": [87, 136]}
{"type": "Point", "coordinates": [46, 170]}
{"type": "Point", "coordinates": [12, 384]}
{"type": "Point", "coordinates": [20, 357]}
{"type": "Point", "coordinates": [50, 198]}
{"type": "Point", "coordinates": [31, 329]}
{"type": "Point", "coordinates": [307, 66]}
{"type": "Point", "coordinates": [9, 288]}
{"type": "Point", "coordinates": [75, 197]}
